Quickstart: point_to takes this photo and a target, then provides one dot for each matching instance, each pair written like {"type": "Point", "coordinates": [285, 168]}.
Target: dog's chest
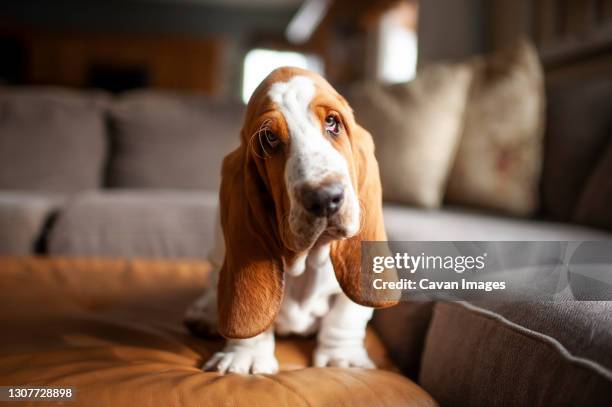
{"type": "Point", "coordinates": [310, 285]}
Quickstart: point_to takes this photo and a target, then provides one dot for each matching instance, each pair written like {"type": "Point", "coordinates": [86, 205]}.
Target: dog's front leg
{"type": "Point", "coordinates": [341, 336]}
{"type": "Point", "coordinates": [253, 355]}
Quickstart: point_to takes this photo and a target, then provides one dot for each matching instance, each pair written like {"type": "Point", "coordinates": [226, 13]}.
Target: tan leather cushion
{"type": "Point", "coordinates": [113, 330]}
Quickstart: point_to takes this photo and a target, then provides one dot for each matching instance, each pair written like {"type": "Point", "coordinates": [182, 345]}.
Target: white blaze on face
{"type": "Point", "coordinates": [311, 159]}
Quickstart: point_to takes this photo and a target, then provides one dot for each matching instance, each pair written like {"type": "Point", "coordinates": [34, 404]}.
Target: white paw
{"type": "Point", "coordinates": [253, 355]}
{"type": "Point", "coordinates": [201, 316]}
{"type": "Point", "coordinates": [242, 360]}
{"type": "Point", "coordinates": [350, 356]}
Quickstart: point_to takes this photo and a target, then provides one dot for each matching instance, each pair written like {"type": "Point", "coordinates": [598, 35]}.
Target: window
{"type": "Point", "coordinates": [260, 62]}
{"type": "Point", "coordinates": [397, 44]}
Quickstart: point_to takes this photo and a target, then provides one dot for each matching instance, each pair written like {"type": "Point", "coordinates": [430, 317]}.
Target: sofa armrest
{"type": "Point", "coordinates": [554, 353]}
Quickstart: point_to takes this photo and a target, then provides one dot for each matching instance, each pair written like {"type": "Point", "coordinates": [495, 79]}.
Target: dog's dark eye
{"type": "Point", "coordinates": [271, 139]}
{"type": "Point", "coordinates": [332, 125]}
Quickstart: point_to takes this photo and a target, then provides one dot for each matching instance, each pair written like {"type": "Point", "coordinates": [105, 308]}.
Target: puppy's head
{"type": "Point", "coordinates": [305, 174]}
{"type": "Point", "coordinates": [298, 133]}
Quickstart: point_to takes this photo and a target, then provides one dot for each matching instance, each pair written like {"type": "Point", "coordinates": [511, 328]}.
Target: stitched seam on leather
{"type": "Point", "coordinates": [546, 339]}
{"type": "Point", "coordinates": [291, 389]}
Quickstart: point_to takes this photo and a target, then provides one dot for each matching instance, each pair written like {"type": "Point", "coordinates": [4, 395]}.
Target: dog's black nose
{"type": "Point", "coordinates": [324, 200]}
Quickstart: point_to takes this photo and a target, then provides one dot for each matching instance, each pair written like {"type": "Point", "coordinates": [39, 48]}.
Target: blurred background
{"type": "Point", "coordinates": [224, 47]}
{"type": "Point", "coordinates": [492, 119]}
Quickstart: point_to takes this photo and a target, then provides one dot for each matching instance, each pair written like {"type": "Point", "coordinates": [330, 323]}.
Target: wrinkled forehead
{"type": "Point", "coordinates": [295, 90]}
{"type": "Point", "coordinates": [296, 77]}
{"type": "Point", "coordinates": [293, 99]}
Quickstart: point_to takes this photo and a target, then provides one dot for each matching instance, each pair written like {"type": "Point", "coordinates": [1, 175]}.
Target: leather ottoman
{"type": "Point", "coordinates": [112, 329]}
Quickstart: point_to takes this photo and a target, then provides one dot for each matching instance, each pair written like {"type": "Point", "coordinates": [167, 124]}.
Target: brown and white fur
{"type": "Point", "coordinates": [297, 198]}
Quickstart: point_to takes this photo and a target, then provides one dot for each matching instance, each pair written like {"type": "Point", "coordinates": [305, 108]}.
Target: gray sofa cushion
{"type": "Point", "coordinates": [579, 125]}
{"type": "Point", "coordinates": [403, 329]}
{"type": "Point", "coordinates": [151, 224]}
{"type": "Point", "coordinates": [545, 354]}
{"type": "Point", "coordinates": [171, 141]}
{"type": "Point", "coordinates": [23, 217]}
{"type": "Point", "coordinates": [406, 223]}
{"type": "Point", "coordinates": [596, 201]}
{"type": "Point", "coordinates": [51, 139]}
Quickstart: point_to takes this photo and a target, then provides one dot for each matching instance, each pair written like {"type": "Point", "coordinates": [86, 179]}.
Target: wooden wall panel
{"type": "Point", "coordinates": [66, 59]}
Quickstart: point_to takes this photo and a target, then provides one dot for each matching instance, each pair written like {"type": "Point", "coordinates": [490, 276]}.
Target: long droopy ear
{"type": "Point", "coordinates": [346, 254]}
{"type": "Point", "coordinates": [250, 286]}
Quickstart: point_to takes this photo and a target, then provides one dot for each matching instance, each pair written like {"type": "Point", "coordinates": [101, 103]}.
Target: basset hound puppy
{"type": "Point", "coordinates": [297, 198]}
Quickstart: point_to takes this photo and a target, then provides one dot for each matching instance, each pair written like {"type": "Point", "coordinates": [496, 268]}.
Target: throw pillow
{"type": "Point", "coordinates": [416, 128]}
{"type": "Point", "coordinates": [499, 160]}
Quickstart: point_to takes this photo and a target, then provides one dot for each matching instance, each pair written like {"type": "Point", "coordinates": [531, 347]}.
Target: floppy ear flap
{"type": "Point", "coordinates": [346, 254]}
{"type": "Point", "coordinates": [250, 286]}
